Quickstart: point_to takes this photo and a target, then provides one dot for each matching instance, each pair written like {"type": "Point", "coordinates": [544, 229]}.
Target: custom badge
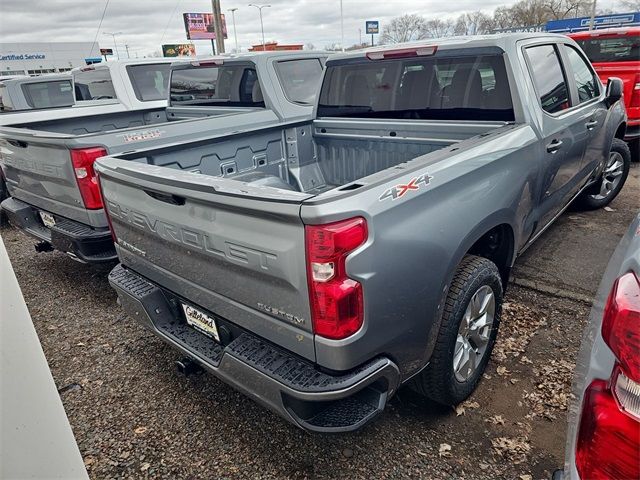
{"type": "Point", "coordinates": [400, 190]}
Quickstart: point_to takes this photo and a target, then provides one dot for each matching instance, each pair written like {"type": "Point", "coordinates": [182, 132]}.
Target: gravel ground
{"type": "Point", "coordinates": [135, 417]}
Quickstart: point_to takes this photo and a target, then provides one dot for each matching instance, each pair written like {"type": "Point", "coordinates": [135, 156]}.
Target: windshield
{"type": "Point", "coordinates": [49, 94]}
{"type": "Point", "coordinates": [611, 49]}
{"type": "Point", "coordinates": [300, 79]}
{"type": "Point", "coordinates": [150, 81]}
{"type": "Point", "coordinates": [93, 84]}
{"type": "Point", "coordinates": [234, 85]}
{"type": "Point", "coordinates": [451, 88]}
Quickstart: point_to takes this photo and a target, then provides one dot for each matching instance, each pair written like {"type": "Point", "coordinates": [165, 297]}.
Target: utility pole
{"type": "Point", "coordinates": [235, 32]}
{"type": "Point", "coordinates": [260, 7]}
{"type": "Point", "coordinates": [217, 25]}
{"type": "Point", "coordinates": [341, 27]}
{"type": "Point", "coordinates": [593, 14]}
{"type": "Point", "coordinates": [115, 44]}
{"type": "Point", "coordinates": [127, 48]}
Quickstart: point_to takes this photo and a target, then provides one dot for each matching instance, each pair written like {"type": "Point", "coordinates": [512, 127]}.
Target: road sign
{"type": "Point", "coordinates": [372, 26]}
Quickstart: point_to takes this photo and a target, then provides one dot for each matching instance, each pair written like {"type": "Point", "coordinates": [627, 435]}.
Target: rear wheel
{"type": "Point", "coordinates": [470, 323]}
{"type": "Point", "coordinates": [613, 177]}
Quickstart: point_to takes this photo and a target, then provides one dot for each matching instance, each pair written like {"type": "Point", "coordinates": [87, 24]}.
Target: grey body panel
{"type": "Point", "coordinates": [595, 359]}
{"type": "Point", "coordinates": [480, 175]}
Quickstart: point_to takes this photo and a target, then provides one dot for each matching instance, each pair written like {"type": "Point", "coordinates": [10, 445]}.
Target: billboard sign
{"type": "Point", "coordinates": [179, 50]}
{"type": "Point", "coordinates": [106, 51]}
{"type": "Point", "coordinates": [600, 21]}
{"type": "Point", "coordinates": [200, 26]}
{"type": "Point", "coordinates": [372, 26]}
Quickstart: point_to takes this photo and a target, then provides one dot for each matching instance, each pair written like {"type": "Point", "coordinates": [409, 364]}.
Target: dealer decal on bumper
{"type": "Point", "coordinates": [400, 190]}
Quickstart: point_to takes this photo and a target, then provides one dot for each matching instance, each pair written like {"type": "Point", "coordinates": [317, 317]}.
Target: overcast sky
{"type": "Point", "coordinates": [146, 24]}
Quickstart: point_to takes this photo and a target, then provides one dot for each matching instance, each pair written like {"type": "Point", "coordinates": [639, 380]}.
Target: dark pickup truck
{"type": "Point", "coordinates": [372, 246]}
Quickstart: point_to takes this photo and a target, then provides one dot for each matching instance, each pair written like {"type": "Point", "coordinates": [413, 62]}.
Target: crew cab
{"type": "Point", "coordinates": [48, 165]}
{"type": "Point", "coordinates": [615, 52]}
{"type": "Point", "coordinates": [319, 265]}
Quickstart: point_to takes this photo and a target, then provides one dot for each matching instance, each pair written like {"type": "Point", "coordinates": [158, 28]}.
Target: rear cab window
{"type": "Point", "coordinates": [233, 85]}
{"type": "Point", "coordinates": [622, 48]}
{"type": "Point", "coordinates": [150, 81]}
{"type": "Point", "coordinates": [93, 84]}
{"type": "Point", "coordinates": [300, 79]}
{"type": "Point", "coordinates": [48, 94]}
{"type": "Point", "coordinates": [548, 78]}
{"type": "Point", "coordinates": [472, 87]}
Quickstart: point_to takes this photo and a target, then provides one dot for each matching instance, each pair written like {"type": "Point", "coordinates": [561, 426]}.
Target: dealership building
{"type": "Point", "coordinates": [51, 57]}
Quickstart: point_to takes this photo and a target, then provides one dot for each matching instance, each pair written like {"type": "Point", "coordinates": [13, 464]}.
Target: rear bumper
{"type": "Point", "coordinates": [633, 131]}
{"type": "Point", "coordinates": [288, 385]}
{"type": "Point", "coordinates": [82, 242]}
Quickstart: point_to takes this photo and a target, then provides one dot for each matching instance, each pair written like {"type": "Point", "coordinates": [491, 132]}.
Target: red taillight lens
{"type": "Point", "coordinates": [83, 160]}
{"type": "Point", "coordinates": [608, 444]}
{"type": "Point", "coordinates": [621, 324]}
{"type": "Point", "coordinates": [336, 300]}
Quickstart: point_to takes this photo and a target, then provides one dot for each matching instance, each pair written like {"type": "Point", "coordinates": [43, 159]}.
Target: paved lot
{"type": "Point", "coordinates": [134, 417]}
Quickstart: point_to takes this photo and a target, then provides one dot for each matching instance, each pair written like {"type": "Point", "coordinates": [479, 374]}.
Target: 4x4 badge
{"type": "Point", "coordinates": [399, 190]}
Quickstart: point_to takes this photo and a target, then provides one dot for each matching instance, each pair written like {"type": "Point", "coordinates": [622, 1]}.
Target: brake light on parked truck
{"type": "Point", "coordinates": [336, 300]}
{"type": "Point", "coordinates": [608, 443]}
{"type": "Point", "coordinates": [83, 160]}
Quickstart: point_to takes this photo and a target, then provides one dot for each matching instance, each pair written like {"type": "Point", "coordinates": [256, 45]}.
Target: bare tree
{"type": "Point", "coordinates": [437, 28]}
{"type": "Point", "coordinates": [404, 29]}
{"type": "Point", "coordinates": [473, 23]}
{"type": "Point", "coordinates": [631, 5]}
{"type": "Point", "coordinates": [559, 9]}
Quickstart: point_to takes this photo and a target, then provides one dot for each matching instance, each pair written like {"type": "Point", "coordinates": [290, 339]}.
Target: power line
{"type": "Point", "coordinates": [170, 18]}
{"type": "Point", "coordinates": [99, 27]}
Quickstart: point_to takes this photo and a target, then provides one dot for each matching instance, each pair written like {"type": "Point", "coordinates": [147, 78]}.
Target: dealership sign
{"type": "Point", "coordinates": [372, 26]}
{"type": "Point", "coordinates": [23, 56]}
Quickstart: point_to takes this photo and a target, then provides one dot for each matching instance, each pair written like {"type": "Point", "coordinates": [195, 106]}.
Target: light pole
{"type": "Point", "coordinates": [593, 15]}
{"type": "Point", "coordinates": [235, 32]}
{"type": "Point", "coordinates": [114, 41]}
{"type": "Point", "coordinates": [341, 27]}
{"type": "Point", "coordinates": [260, 7]}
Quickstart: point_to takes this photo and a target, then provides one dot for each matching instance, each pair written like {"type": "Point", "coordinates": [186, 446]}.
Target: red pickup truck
{"type": "Point", "coordinates": [615, 52]}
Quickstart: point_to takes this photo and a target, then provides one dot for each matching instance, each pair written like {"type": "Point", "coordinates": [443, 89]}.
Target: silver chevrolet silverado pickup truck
{"type": "Point", "coordinates": [319, 265]}
{"type": "Point", "coordinates": [48, 165]}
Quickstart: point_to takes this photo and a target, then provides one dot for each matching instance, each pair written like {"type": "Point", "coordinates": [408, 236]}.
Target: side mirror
{"type": "Point", "coordinates": [614, 90]}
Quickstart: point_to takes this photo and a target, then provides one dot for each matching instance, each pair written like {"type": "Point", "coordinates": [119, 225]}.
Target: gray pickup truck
{"type": "Point", "coordinates": [372, 245]}
{"type": "Point", "coordinates": [48, 165]}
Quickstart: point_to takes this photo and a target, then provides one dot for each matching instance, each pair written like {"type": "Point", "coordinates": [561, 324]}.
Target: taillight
{"type": "Point", "coordinates": [82, 160]}
{"type": "Point", "coordinates": [621, 324]}
{"type": "Point", "coordinates": [336, 300]}
{"type": "Point", "coordinates": [608, 443]}
{"type": "Point", "coordinates": [635, 94]}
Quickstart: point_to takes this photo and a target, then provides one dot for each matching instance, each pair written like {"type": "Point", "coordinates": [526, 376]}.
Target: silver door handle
{"type": "Point", "coordinates": [591, 125]}
{"type": "Point", "coordinates": [554, 146]}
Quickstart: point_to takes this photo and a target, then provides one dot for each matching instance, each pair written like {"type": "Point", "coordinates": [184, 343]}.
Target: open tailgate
{"type": "Point", "coordinates": [229, 248]}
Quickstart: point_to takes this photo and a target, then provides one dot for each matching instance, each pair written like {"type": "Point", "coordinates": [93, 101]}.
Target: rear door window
{"type": "Point", "coordinates": [450, 88]}
{"type": "Point", "coordinates": [48, 94]}
{"type": "Point", "coordinates": [93, 84]}
{"type": "Point", "coordinates": [587, 82]}
{"type": "Point", "coordinates": [234, 85]}
{"type": "Point", "coordinates": [548, 78]}
{"type": "Point", "coordinates": [300, 79]}
{"type": "Point", "coordinates": [150, 81]}
{"type": "Point", "coordinates": [611, 49]}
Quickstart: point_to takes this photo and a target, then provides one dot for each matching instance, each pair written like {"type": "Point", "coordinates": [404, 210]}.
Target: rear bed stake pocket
{"type": "Point", "coordinates": [166, 198]}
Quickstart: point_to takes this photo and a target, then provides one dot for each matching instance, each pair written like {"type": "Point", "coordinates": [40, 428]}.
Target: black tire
{"type": "Point", "coordinates": [592, 198]}
{"type": "Point", "coordinates": [4, 221]}
{"type": "Point", "coordinates": [438, 380]}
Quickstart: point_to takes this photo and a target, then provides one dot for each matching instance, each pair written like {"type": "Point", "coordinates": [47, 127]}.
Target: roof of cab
{"type": "Point", "coordinates": [501, 40]}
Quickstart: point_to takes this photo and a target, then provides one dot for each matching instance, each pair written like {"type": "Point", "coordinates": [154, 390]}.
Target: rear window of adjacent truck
{"type": "Point", "coordinates": [234, 85]}
{"type": "Point", "coordinates": [611, 49]}
{"type": "Point", "coordinates": [447, 88]}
